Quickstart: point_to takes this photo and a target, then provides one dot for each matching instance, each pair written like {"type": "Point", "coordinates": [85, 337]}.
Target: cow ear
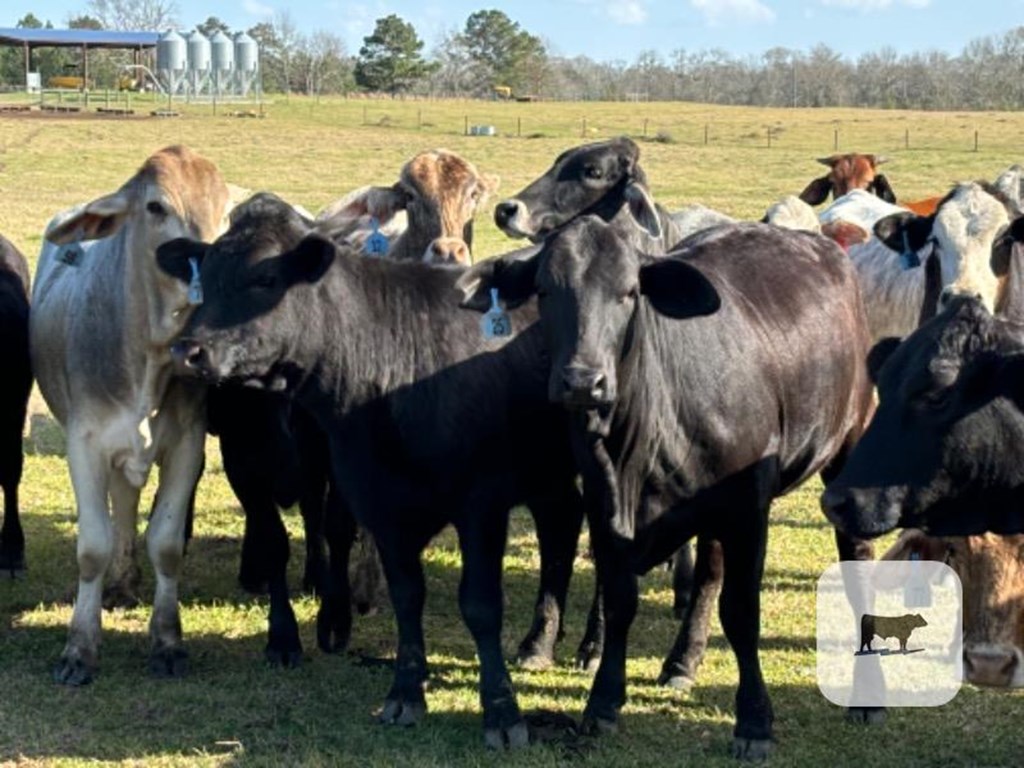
{"type": "Point", "coordinates": [383, 203]}
{"type": "Point", "coordinates": [881, 188]}
{"type": "Point", "coordinates": [173, 257]}
{"type": "Point", "coordinates": [677, 290]}
{"type": "Point", "coordinates": [643, 210]}
{"type": "Point", "coordinates": [1002, 248]}
{"type": "Point", "coordinates": [876, 160]}
{"type": "Point", "coordinates": [830, 161]}
{"type": "Point", "coordinates": [901, 230]}
{"type": "Point", "coordinates": [817, 191]}
{"type": "Point", "coordinates": [310, 260]}
{"type": "Point", "coordinates": [514, 279]}
{"type": "Point", "coordinates": [101, 218]}
{"type": "Point", "coordinates": [878, 355]}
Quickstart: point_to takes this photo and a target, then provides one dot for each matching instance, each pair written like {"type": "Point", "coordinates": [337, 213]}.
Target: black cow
{"type": "Point", "coordinates": [605, 179]}
{"type": "Point", "coordinates": [703, 385]}
{"type": "Point", "coordinates": [899, 627]}
{"type": "Point", "coordinates": [943, 451]}
{"type": "Point", "coordinates": [15, 386]}
{"type": "Point", "coordinates": [428, 422]}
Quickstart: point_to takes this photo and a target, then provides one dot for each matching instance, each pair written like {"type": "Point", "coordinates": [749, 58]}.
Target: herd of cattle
{"type": "Point", "coordinates": [663, 375]}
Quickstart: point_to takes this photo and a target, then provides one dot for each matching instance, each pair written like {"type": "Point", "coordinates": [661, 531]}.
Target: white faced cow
{"type": "Point", "coordinates": [426, 215]}
{"type": "Point", "coordinates": [102, 319]}
{"type": "Point", "coordinates": [960, 233]}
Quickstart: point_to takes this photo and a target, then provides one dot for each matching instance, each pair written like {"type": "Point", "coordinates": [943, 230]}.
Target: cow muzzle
{"type": "Point", "coordinates": [448, 250]}
{"type": "Point", "coordinates": [512, 218]}
{"type": "Point", "coordinates": [993, 665]}
{"type": "Point", "coordinates": [584, 387]}
{"type": "Point", "coordinates": [192, 359]}
{"type": "Point", "coordinates": [860, 512]}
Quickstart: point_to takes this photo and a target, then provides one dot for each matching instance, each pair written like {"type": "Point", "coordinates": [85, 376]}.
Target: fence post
{"type": "Point", "coordinates": [519, 126]}
{"type": "Point", "coordinates": [583, 129]}
{"type": "Point", "coordinates": [465, 125]}
{"type": "Point", "coordinates": [906, 138]}
{"type": "Point", "coordinates": [705, 134]}
{"type": "Point", "coordinates": [835, 140]}
{"type": "Point", "coordinates": [975, 139]}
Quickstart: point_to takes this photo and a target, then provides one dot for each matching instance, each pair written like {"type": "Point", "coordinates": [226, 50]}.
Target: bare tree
{"type": "Point", "coordinates": [147, 15]}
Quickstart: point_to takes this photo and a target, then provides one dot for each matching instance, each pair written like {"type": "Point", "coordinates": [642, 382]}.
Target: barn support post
{"type": "Point", "coordinates": [28, 65]}
{"type": "Point", "coordinates": [85, 69]}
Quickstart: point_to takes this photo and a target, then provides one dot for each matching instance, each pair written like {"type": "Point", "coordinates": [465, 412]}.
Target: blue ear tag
{"type": "Point", "coordinates": [917, 592]}
{"type": "Point", "coordinates": [376, 244]}
{"type": "Point", "coordinates": [71, 254]}
{"type": "Point", "coordinates": [908, 259]}
{"type": "Point", "coordinates": [195, 288]}
{"type": "Point", "coordinates": [495, 322]}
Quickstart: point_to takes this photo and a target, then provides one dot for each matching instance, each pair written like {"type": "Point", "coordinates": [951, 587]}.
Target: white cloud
{"type": "Point", "coordinates": [256, 8]}
{"type": "Point", "coordinates": [720, 11]}
{"type": "Point", "coordinates": [628, 13]}
{"type": "Point", "coordinates": [875, 5]}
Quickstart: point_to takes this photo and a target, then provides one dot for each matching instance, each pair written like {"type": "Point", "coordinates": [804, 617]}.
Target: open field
{"type": "Point", "coordinates": [232, 709]}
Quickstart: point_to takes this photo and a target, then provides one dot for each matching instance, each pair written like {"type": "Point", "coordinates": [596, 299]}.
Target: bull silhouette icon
{"type": "Point", "coordinates": [899, 627]}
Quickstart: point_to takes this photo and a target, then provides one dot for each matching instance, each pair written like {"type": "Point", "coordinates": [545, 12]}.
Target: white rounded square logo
{"type": "Point", "coordinates": [890, 633]}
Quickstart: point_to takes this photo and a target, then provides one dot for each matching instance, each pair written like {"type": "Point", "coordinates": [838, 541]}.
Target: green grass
{"type": "Point", "coordinates": [232, 709]}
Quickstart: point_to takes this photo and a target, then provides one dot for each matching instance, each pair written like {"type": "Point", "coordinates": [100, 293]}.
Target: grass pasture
{"type": "Point", "coordinates": [233, 709]}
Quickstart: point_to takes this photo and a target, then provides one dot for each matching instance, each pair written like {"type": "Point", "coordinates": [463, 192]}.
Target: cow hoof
{"type": "Point", "coordinates": [287, 658]}
{"type": "Point", "coordinates": [676, 681]}
{"type": "Point", "coordinates": [12, 563]}
{"type": "Point", "coordinates": [866, 715]}
{"type": "Point", "coordinates": [598, 726]}
{"type": "Point", "coordinates": [396, 712]}
{"type": "Point", "coordinates": [333, 629]}
{"type": "Point", "coordinates": [515, 736]}
{"type": "Point", "coordinates": [168, 662]}
{"type": "Point", "coordinates": [588, 661]}
{"type": "Point", "coordinates": [752, 750]}
{"type": "Point", "coordinates": [73, 672]}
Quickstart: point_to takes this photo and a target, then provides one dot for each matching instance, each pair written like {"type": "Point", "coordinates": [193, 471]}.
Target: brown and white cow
{"type": "Point", "coordinates": [426, 215]}
{"type": "Point", "coordinates": [991, 570]}
{"type": "Point", "coordinates": [846, 173]}
{"type": "Point", "coordinates": [102, 319]}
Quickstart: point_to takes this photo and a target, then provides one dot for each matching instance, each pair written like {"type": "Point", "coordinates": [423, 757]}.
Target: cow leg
{"type": "Point", "coordinates": [334, 619]}
{"type": "Point", "coordinates": [313, 496]}
{"type": "Point", "coordinates": [482, 542]}
{"type": "Point", "coordinates": [591, 648]}
{"type": "Point", "coordinates": [740, 612]}
{"type": "Point", "coordinates": [124, 576]}
{"type": "Point", "coordinates": [12, 538]}
{"type": "Point", "coordinates": [400, 553]}
{"type": "Point", "coordinates": [697, 587]}
{"type": "Point", "coordinates": [558, 519]}
{"type": "Point", "coordinates": [89, 471]}
{"type": "Point", "coordinates": [619, 590]}
{"type": "Point", "coordinates": [165, 542]}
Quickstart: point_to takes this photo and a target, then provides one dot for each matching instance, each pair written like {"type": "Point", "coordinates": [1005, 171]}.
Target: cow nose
{"type": "Point", "coordinates": [835, 502]}
{"type": "Point", "coordinates": [190, 356]}
{"type": "Point", "coordinates": [505, 211]}
{"type": "Point", "coordinates": [447, 250]}
{"type": "Point", "coordinates": [990, 665]}
{"type": "Point", "coordinates": [586, 383]}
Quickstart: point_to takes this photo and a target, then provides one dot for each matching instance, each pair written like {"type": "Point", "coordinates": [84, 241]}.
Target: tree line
{"type": "Point", "coordinates": [492, 56]}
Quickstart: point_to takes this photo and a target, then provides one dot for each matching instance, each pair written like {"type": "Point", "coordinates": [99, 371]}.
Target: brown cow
{"type": "Point", "coordinates": [991, 569]}
{"type": "Point", "coordinates": [426, 215]}
{"type": "Point", "coordinates": [851, 171]}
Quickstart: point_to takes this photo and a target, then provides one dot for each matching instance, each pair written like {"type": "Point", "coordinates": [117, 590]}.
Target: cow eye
{"type": "Point", "coordinates": [593, 172]}
{"type": "Point", "coordinates": [263, 280]}
{"type": "Point", "coordinates": [156, 208]}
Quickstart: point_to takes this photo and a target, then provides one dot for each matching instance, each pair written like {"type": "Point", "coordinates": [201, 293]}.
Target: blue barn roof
{"type": "Point", "coordinates": [92, 38]}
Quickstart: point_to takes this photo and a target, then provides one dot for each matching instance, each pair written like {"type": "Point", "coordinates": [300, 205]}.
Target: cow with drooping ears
{"type": "Point", "coordinates": [103, 316]}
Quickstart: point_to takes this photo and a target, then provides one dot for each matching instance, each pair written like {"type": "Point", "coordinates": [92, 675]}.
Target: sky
{"type": "Point", "coordinates": [619, 30]}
